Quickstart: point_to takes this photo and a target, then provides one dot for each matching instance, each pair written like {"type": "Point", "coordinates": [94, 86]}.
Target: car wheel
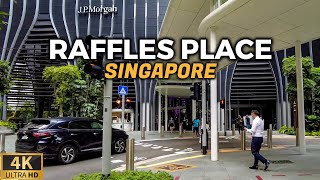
{"type": "Point", "coordinates": [67, 154]}
{"type": "Point", "coordinates": [119, 146]}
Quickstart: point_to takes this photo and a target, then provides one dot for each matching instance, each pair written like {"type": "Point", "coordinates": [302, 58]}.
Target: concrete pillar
{"type": "Point", "coordinates": [300, 98]}
{"type": "Point", "coordinates": [194, 109]}
{"type": "Point", "coordinates": [159, 112]}
{"type": "Point", "coordinates": [4, 107]}
{"type": "Point", "coordinates": [143, 110]}
{"type": "Point", "coordinates": [132, 120]}
{"type": "Point", "coordinates": [278, 111]}
{"type": "Point", "coordinates": [213, 107]}
{"type": "Point", "coordinates": [289, 114]}
{"type": "Point", "coordinates": [219, 116]}
{"type": "Point", "coordinates": [148, 109]}
{"type": "Point", "coordinates": [284, 113]}
{"type": "Point", "coordinates": [166, 111]}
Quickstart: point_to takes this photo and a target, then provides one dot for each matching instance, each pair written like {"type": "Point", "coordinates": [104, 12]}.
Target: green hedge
{"type": "Point", "coordinates": [286, 130]}
{"type": "Point", "coordinates": [8, 124]}
{"type": "Point", "coordinates": [290, 131]}
{"type": "Point", "coordinates": [127, 175]}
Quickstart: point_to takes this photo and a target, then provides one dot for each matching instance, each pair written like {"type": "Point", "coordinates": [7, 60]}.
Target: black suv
{"type": "Point", "coordinates": [66, 137]}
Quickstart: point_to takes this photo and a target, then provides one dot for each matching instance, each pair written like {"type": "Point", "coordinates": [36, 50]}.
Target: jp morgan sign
{"type": "Point", "coordinates": [97, 10]}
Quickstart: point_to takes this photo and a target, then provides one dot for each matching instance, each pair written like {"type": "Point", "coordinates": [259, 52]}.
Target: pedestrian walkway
{"type": "Point", "coordinates": [233, 165]}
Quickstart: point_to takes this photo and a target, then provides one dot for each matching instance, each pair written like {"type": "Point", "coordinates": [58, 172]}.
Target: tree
{"type": "Point", "coordinates": [309, 84]}
{"type": "Point", "coordinates": [4, 77]}
{"type": "Point", "coordinates": [60, 79]}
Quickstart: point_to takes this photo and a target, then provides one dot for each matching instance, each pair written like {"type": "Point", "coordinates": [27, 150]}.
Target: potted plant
{"type": "Point", "coordinates": [7, 126]}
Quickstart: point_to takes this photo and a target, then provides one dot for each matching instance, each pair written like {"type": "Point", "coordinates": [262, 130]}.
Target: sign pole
{"type": "Point", "coordinates": [122, 112]}
{"type": "Point", "coordinates": [107, 130]}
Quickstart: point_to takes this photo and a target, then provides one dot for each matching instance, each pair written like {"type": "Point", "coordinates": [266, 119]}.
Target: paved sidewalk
{"type": "Point", "coordinates": [234, 165]}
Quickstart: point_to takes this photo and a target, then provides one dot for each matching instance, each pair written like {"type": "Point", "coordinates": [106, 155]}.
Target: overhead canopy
{"type": "Point", "coordinates": [178, 91]}
{"type": "Point", "coordinates": [286, 21]}
{"type": "Point", "coordinates": [182, 20]}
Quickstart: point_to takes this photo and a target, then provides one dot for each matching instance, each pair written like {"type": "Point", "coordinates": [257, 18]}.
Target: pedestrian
{"type": "Point", "coordinates": [257, 139]}
{"type": "Point", "coordinates": [240, 123]}
{"type": "Point", "coordinates": [171, 125]}
{"type": "Point", "coordinates": [184, 124]}
{"type": "Point", "coordinates": [195, 127]}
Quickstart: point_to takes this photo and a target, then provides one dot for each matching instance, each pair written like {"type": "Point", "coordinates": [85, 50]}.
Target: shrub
{"type": "Point", "coordinates": [286, 130]}
{"type": "Point", "coordinates": [315, 133]}
{"type": "Point", "coordinates": [127, 175]}
{"type": "Point", "coordinates": [8, 124]}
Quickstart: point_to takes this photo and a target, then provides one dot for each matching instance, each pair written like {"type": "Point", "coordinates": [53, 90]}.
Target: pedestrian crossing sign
{"type": "Point", "coordinates": [123, 90]}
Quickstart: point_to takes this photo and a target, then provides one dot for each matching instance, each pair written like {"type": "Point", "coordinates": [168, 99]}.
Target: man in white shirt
{"type": "Point", "coordinates": [257, 139]}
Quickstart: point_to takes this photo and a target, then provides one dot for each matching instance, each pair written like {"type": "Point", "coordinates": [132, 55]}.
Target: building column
{"type": "Point", "coordinates": [288, 114]}
{"type": "Point", "coordinates": [148, 109]}
{"type": "Point", "coordinates": [284, 113]}
{"type": "Point", "coordinates": [4, 107]}
{"type": "Point", "coordinates": [213, 107]}
{"type": "Point", "coordinates": [219, 115]}
{"type": "Point", "coordinates": [278, 111]}
{"type": "Point", "coordinates": [166, 110]}
{"type": "Point", "coordinates": [194, 109]}
{"type": "Point", "coordinates": [159, 111]}
{"type": "Point", "coordinates": [300, 98]}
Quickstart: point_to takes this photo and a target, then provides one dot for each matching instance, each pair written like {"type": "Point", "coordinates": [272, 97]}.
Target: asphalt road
{"type": "Point", "coordinates": [92, 162]}
{"type": "Point", "coordinates": [144, 151]}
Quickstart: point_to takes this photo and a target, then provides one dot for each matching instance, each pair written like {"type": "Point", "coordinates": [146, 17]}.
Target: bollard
{"type": "Point", "coordinates": [243, 140]}
{"type": "Point", "coordinates": [143, 134]}
{"type": "Point", "coordinates": [130, 155]}
{"type": "Point", "coordinates": [180, 130]}
{"type": "Point", "coordinates": [269, 136]}
{"type": "Point", "coordinates": [162, 132]}
{"type": "Point", "coordinates": [233, 129]}
{"type": "Point", "coordinates": [2, 143]}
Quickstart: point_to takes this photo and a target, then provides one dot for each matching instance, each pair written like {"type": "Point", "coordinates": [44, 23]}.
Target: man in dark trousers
{"type": "Point", "coordinates": [257, 139]}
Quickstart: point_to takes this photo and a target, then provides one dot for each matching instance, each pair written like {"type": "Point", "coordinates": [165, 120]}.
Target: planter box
{"type": "Point", "coordinates": [5, 130]}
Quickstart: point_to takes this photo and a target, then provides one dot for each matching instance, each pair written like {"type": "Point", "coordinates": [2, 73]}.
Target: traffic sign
{"type": "Point", "coordinates": [123, 90]}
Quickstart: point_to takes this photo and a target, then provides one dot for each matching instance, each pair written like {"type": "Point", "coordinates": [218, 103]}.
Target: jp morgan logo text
{"type": "Point", "coordinates": [97, 9]}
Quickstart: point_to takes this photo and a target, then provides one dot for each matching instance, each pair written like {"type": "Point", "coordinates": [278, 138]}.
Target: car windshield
{"type": "Point", "coordinates": [38, 124]}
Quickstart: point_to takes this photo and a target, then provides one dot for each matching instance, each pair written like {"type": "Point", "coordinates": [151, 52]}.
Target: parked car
{"type": "Point", "coordinates": [66, 137]}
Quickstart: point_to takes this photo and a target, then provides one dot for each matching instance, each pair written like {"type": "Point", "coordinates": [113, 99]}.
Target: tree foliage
{"type": "Point", "coordinates": [76, 93]}
{"type": "Point", "coordinates": [4, 77]}
{"type": "Point", "coordinates": [309, 84]}
{"type": "Point", "coordinates": [311, 80]}
{"type": "Point", "coordinates": [61, 78]}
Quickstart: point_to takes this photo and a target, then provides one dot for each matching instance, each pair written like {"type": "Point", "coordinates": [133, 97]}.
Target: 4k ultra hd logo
{"type": "Point", "coordinates": [22, 166]}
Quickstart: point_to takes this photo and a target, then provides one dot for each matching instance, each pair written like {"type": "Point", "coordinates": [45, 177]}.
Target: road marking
{"type": "Point", "coordinates": [259, 177]}
{"type": "Point", "coordinates": [122, 168]}
{"type": "Point", "coordinates": [158, 147]}
{"type": "Point", "coordinates": [170, 149]}
{"type": "Point", "coordinates": [165, 147]}
{"type": "Point", "coordinates": [177, 149]}
{"type": "Point", "coordinates": [147, 145]}
{"type": "Point", "coordinates": [139, 158]}
{"type": "Point", "coordinates": [171, 161]}
{"type": "Point", "coordinates": [117, 161]}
